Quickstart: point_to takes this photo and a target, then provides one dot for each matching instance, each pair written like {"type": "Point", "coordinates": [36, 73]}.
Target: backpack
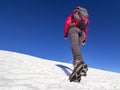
{"type": "Point", "coordinates": [80, 17]}
{"type": "Point", "coordinates": [81, 12]}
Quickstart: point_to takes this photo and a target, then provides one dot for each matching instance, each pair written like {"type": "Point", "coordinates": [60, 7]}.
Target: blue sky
{"type": "Point", "coordinates": [35, 27]}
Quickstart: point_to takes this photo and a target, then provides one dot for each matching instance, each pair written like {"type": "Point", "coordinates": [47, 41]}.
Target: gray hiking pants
{"type": "Point", "coordinates": [76, 37]}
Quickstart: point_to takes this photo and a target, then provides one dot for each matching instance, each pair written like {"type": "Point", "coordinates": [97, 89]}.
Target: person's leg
{"type": "Point", "coordinates": [80, 41]}
{"type": "Point", "coordinates": [76, 37]}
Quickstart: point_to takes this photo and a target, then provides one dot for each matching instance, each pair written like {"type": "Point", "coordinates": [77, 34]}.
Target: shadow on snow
{"type": "Point", "coordinates": [65, 69]}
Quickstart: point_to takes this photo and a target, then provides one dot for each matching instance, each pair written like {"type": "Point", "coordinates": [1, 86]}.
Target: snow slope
{"type": "Point", "coordinates": [24, 72]}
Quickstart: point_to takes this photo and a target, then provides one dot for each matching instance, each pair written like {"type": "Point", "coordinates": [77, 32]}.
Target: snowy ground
{"type": "Point", "coordinates": [24, 72]}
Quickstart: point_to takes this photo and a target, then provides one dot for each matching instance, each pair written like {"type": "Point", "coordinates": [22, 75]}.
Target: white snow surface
{"type": "Point", "coordinates": [24, 72]}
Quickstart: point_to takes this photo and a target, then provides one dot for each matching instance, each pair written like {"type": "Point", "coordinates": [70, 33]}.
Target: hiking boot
{"type": "Point", "coordinates": [81, 68]}
{"type": "Point", "coordinates": [84, 70]}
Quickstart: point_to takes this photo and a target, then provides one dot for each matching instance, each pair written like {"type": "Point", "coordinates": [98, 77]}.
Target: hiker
{"type": "Point", "coordinates": [76, 26]}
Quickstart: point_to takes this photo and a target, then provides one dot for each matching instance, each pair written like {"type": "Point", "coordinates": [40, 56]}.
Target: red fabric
{"type": "Point", "coordinates": [70, 20]}
{"type": "Point", "coordinates": [67, 23]}
{"type": "Point", "coordinates": [85, 29]}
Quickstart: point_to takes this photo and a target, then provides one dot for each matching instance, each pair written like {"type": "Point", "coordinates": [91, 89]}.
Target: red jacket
{"type": "Point", "coordinates": [67, 24]}
{"type": "Point", "coordinates": [69, 20]}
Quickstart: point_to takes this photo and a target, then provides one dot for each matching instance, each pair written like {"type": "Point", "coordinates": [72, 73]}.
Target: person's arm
{"type": "Point", "coordinates": [66, 27]}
